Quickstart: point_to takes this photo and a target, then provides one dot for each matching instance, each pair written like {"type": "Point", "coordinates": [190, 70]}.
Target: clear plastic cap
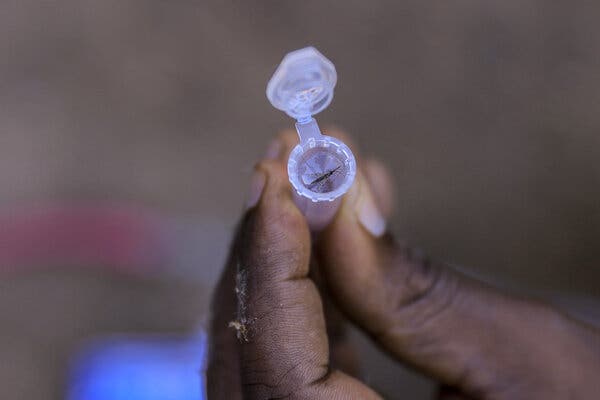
{"type": "Point", "coordinates": [303, 84]}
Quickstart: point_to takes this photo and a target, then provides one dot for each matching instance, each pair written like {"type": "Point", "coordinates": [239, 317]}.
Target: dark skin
{"type": "Point", "coordinates": [277, 287]}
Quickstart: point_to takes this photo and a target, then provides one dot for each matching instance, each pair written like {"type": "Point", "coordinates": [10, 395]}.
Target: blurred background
{"type": "Point", "coordinates": [128, 131]}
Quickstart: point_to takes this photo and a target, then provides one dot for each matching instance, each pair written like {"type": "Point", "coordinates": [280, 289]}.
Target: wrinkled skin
{"type": "Point", "coordinates": [277, 332]}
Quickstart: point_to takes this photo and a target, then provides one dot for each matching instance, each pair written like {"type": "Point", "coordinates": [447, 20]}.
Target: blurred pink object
{"type": "Point", "coordinates": [119, 238]}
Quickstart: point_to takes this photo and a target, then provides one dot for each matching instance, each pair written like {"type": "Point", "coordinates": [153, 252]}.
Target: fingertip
{"type": "Point", "coordinates": [381, 184]}
{"type": "Point", "coordinates": [280, 147]}
{"type": "Point", "coordinates": [257, 185]}
{"type": "Point", "coordinates": [360, 209]}
{"type": "Point", "coordinates": [341, 134]}
{"type": "Point", "coordinates": [288, 139]}
{"type": "Point", "coordinates": [277, 189]}
{"type": "Point", "coordinates": [274, 149]}
{"type": "Point", "coordinates": [276, 204]}
{"type": "Point", "coordinates": [348, 247]}
{"type": "Point", "coordinates": [278, 218]}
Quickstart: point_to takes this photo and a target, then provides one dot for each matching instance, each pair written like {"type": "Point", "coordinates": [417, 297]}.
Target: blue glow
{"type": "Point", "coordinates": [139, 368]}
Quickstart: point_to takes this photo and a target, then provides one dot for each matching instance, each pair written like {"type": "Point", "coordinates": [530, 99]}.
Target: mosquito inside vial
{"type": "Point", "coordinates": [321, 170]}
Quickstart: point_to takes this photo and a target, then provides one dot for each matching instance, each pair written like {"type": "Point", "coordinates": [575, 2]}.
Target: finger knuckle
{"type": "Point", "coordinates": [424, 295]}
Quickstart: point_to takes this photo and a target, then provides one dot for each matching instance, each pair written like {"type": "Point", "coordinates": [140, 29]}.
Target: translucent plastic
{"type": "Point", "coordinates": [321, 168]}
{"type": "Point", "coordinates": [303, 83]}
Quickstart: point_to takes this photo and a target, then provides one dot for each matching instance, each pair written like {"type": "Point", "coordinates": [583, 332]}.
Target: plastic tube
{"type": "Point", "coordinates": [321, 168]}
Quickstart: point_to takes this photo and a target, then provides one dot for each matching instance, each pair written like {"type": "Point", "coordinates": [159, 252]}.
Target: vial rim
{"type": "Point", "coordinates": [325, 142]}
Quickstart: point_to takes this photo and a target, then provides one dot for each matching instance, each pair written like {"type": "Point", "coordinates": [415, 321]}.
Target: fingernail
{"type": "Point", "coordinates": [257, 185]}
{"type": "Point", "coordinates": [367, 212]}
{"type": "Point", "coordinates": [273, 150]}
{"type": "Point", "coordinates": [381, 185]}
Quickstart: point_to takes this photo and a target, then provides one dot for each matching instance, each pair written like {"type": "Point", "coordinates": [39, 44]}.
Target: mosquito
{"type": "Point", "coordinates": [318, 184]}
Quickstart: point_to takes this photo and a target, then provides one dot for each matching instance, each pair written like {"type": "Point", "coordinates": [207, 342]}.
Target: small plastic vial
{"type": "Point", "coordinates": [321, 168]}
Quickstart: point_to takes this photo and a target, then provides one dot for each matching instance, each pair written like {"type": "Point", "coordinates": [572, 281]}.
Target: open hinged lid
{"type": "Point", "coordinates": [303, 84]}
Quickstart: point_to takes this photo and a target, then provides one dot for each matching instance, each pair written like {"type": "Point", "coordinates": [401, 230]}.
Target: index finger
{"type": "Point", "coordinates": [454, 328]}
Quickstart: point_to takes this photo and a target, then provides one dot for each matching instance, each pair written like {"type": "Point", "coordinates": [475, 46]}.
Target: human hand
{"type": "Point", "coordinates": [269, 330]}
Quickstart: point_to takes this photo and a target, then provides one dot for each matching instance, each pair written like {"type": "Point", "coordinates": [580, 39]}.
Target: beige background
{"type": "Point", "coordinates": [487, 113]}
